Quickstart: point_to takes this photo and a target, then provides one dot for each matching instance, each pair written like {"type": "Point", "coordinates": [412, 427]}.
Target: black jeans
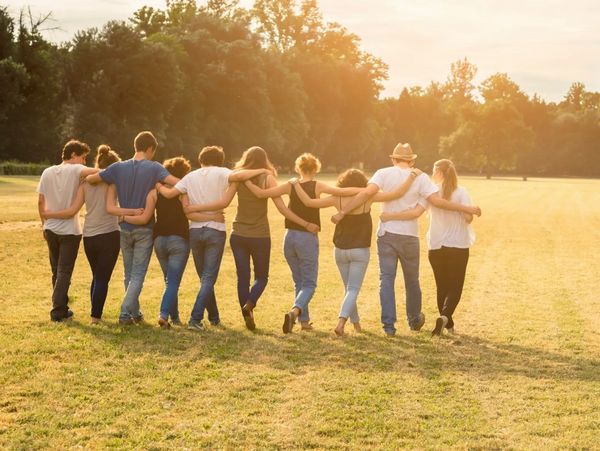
{"type": "Point", "coordinates": [449, 267]}
{"type": "Point", "coordinates": [102, 252]}
{"type": "Point", "coordinates": [63, 253]}
{"type": "Point", "coordinates": [259, 250]}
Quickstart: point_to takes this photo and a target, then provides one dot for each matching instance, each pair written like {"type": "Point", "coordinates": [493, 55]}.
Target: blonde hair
{"type": "Point", "coordinates": [105, 156]}
{"type": "Point", "coordinates": [255, 158]}
{"type": "Point", "coordinates": [450, 182]}
{"type": "Point", "coordinates": [307, 163]}
{"type": "Point", "coordinates": [177, 166]}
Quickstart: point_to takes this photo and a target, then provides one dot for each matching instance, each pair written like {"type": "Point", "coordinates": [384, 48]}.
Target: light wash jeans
{"type": "Point", "coordinates": [392, 247]}
{"type": "Point", "coordinates": [136, 246]}
{"type": "Point", "coordinates": [301, 250]}
{"type": "Point", "coordinates": [172, 252]}
{"type": "Point", "coordinates": [207, 246]}
{"type": "Point", "coordinates": [352, 264]}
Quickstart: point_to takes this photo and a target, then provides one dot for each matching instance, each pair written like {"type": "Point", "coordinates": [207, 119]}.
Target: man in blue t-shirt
{"type": "Point", "coordinates": [133, 180]}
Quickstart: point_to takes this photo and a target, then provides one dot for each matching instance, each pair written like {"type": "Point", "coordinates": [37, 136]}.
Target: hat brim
{"type": "Point", "coordinates": [404, 157]}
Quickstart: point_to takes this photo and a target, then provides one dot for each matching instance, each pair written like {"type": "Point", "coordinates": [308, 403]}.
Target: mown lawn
{"type": "Point", "coordinates": [523, 372]}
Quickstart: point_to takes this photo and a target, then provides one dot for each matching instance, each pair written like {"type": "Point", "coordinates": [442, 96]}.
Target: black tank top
{"type": "Point", "coordinates": [170, 219]}
{"type": "Point", "coordinates": [353, 231]}
{"type": "Point", "coordinates": [307, 213]}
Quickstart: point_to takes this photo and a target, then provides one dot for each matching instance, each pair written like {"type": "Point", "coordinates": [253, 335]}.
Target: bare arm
{"type": "Point", "coordinates": [439, 202]}
{"type": "Point", "coordinates": [335, 191]}
{"type": "Point", "coordinates": [41, 207]}
{"type": "Point", "coordinates": [242, 175]}
{"type": "Point", "coordinates": [171, 180]}
{"type": "Point", "coordinates": [329, 201]}
{"type": "Point", "coordinates": [468, 218]}
{"type": "Point", "coordinates": [145, 217]}
{"type": "Point", "coordinates": [88, 171]}
{"type": "Point", "coordinates": [72, 210]}
{"type": "Point", "coordinates": [113, 209]}
{"type": "Point", "coordinates": [93, 179]}
{"type": "Point", "coordinates": [289, 214]}
{"type": "Point", "coordinates": [213, 206]}
{"type": "Point", "coordinates": [361, 198]}
{"type": "Point", "coordinates": [263, 193]}
{"type": "Point", "coordinates": [398, 192]}
{"type": "Point", "coordinates": [169, 193]}
{"type": "Point", "coordinates": [406, 215]}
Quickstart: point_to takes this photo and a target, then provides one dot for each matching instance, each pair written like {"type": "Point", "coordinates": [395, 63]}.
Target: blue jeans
{"type": "Point", "coordinates": [172, 252]}
{"type": "Point", "coordinates": [136, 246]}
{"type": "Point", "coordinates": [301, 250]}
{"type": "Point", "coordinates": [352, 264]}
{"type": "Point", "coordinates": [392, 247]}
{"type": "Point", "coordinates": [207, 246]}
{"type": "Point", "coordinates": [259, 250]}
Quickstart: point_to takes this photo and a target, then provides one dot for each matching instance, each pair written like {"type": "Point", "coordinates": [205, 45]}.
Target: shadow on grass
{"type": "Point", "coordinates": [368, 352]}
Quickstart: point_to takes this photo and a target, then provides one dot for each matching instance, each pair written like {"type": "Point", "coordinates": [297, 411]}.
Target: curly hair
{"type": "Point", "coordinates": [352, 178]}
{"type": "Point", "coordinates": [177, 166]}
{"type": "Point", "coordinates": [307, 163]}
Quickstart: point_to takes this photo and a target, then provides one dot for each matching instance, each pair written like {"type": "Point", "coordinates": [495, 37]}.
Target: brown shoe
{"type": "Point", "coordinates": [163, 323]}
{"type": "Point", "coordinates": [249, 320]}
{"type": "Point", "coordinates": [305, 325]}
{"type": "Point", "coordinates": [288, 322]}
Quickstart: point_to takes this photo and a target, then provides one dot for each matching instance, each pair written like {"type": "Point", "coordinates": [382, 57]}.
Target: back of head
{"type": "Point", "coordinates": [307, 163]}
{"type": "Point", "coordinates": [74, 147]}
{"type": "Point", "coordinates": [178, 166]}
{"type": "Point", "coordinates": [105, 156]}
{"type": "Point", "coordinates": [448, 171]}
{"type": "Point", "coordinates": [352, 178]}
{"type": "Point", "coordinates": [211, 156]}
{"type": "Point", "coordinates": [255, 158]}
{"type": "Point", "coordinates": [145, 140]}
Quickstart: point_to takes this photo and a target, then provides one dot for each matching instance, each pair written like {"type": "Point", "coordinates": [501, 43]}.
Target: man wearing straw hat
{"type": "Point", "coordinates": [398, 240]}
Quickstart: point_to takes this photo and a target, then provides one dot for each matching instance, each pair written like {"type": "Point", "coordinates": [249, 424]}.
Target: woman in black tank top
{"type": "Point", "coordinates": [352, 239]}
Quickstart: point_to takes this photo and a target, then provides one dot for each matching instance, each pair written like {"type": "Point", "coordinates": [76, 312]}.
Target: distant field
{"type": "Point", "coordinates": [523, 373]}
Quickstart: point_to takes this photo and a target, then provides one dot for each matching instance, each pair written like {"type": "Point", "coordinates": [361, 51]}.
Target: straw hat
{"type": "Point", "coordinates": [403, 152]}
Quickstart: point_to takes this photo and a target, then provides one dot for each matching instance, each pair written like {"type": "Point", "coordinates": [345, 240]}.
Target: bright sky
{"type": "Point", "coordinates": [544, 45]}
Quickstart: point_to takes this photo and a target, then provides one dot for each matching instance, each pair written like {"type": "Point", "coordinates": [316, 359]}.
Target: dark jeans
{"type": "Point", "coordinates": [102, 252]}
{"type": "Point", "coordinates": [449, 266]}
{"type": "Point", "coordinates": [63, 253]}
{"type": "Point", "coordinates": [259, 249]}
{"type": "Point", "coordinates": [207, 246]}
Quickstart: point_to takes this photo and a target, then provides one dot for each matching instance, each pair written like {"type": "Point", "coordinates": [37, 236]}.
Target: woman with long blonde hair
{"type": "Point", "coordinates": [449, 238]}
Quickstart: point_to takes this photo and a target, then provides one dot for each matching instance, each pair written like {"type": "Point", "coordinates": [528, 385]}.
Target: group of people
{"type": "Point", "coordinates": [138, 204]}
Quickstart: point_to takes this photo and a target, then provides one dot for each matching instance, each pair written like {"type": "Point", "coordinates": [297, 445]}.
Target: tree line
{"type": "Point", "coordinates": [279, 76]}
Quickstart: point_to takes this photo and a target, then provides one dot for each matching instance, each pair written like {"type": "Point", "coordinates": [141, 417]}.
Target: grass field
{"type": "Point", "coordinates": [523, 372]}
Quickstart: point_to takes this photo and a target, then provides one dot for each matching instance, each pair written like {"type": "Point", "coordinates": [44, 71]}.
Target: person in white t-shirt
{"type": "Point", "coordinates": [398, 240]}
{"type": "Point", "coordinates": [214, 185]}
{"type": "Point", "coordinates": [56, 191]}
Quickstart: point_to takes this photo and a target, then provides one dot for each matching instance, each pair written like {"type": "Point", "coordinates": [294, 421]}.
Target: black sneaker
{"type": "Point", "coordinates": [420, 324]}
{"type": "Point", "coordinates": [439, 326]}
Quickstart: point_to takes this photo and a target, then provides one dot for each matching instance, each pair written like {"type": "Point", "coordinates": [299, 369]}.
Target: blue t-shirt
{"type": "Point", "coordinates": [134, 179]}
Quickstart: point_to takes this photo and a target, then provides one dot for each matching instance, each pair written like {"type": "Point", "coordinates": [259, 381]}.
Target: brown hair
{"type": "Point", "coordinates": [105, 156]}
{"type": "Point", "coordinates": [307, 163]}
{"type": "Point", "coordinates": [352, 178]}
{"type": "Point", "coordinates": [450, 182]}
{"type": "Point", "coordinates": [178, 166]}
{"type": "Point", "coordinates": [211, 156]}
{"type": "Point", "coordinates": [74, 147]}
{"type": "Point", "coordinates": [143, 140]}
{"type": "Point", "coordinates": [255, 158]}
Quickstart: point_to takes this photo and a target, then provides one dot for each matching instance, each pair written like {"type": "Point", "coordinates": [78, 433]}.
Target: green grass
{"type": "Point", "coordinates": [523, 373]}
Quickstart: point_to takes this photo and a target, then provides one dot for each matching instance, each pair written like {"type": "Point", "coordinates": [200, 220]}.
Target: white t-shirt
{"type": "Point", "coordinates": [204, 186]}
{"type": "Point", "coordinates": [449, 228]}
{"type": "Point", "coordinates": [389, 179]}
{"type": "Point", "coordinates": [59, 186]}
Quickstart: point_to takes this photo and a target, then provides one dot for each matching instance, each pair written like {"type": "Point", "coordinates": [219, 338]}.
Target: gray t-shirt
{"type": "Point", "coordinates": [97, 220]}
